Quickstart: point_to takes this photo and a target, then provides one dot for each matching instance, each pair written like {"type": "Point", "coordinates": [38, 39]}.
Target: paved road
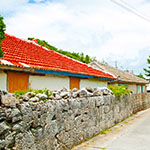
{"type": "Point", "coordinates": [132, 134]}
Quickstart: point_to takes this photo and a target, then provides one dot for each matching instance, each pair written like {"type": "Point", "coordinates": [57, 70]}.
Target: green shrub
{"type": "Point", "coordinates": [119, 90]}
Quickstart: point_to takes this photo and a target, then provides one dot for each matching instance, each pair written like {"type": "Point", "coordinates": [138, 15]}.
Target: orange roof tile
{"type": "Point", "coordinates": [25, 53]}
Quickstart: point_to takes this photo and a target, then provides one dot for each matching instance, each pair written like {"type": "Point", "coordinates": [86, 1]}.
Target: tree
{"type": "Point", "coordinates": [82, 57]}
{"type": "Point", "coordinates": [78, 56]}
{"type": "Point", "coordinates": [148, 69]}
{"type": "Point", "coordinates": [140, 76]}
{"type": "Point", "coordinates": [2, 34]}
{"type": "Point", "coordinates": [87, 59]}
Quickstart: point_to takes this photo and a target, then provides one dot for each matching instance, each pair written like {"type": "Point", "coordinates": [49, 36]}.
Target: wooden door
{"type": "Point", "coordinates": [17, 81]}
{"type": "Point", "coordinates": [74, 83]}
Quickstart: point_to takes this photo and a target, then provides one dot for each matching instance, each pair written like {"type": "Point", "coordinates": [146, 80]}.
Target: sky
{"type": "Point", "coordinates": [99, 28]}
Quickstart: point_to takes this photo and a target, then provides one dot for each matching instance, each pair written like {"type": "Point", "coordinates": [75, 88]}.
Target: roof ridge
{"type": "Point", "coordinates": [103, 69]}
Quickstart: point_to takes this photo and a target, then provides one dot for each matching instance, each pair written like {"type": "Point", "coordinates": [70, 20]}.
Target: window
{"type": "Point", "coordinates": [142, 88]}
{"type": "Point", "coordinates": [137, 89]}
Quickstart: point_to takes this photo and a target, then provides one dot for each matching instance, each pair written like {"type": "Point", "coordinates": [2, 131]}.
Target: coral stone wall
{"type": "Point", "coordinates": [141, 101]}
{"type": "Point", "coordinates": [61, 124]}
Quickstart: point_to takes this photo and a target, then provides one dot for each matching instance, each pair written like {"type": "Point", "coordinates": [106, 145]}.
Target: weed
{"type": "Point", "coordinates": [86, 144]}
{"type": "Point", "coordinates": [45, 100]}
{"type": "Point", "coordinates": [109, 129]}
{"type": "Point", "coordinates": [100, 147]}
{"type": "Point", "coordinates": [116, 124]}
{"type": "Point", "coordinates": [87, 139]}
{"type": "Point", "coordinates": [103, 131]}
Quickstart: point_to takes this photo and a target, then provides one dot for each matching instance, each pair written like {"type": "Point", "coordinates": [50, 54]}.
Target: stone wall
{"type": "Point", "coordinates": [61, 124]}
{"type": "Point", "coordinates": [141, 101]}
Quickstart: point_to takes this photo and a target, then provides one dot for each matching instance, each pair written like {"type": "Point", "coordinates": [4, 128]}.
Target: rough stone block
{"type": "Point", "coordinates": [9, 100]}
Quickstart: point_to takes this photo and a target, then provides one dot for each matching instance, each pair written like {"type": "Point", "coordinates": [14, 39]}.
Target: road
{"type": "Point", "coordinates": [131, 134]}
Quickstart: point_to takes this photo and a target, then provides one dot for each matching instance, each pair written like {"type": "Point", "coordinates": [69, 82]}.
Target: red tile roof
{"type": "Point", "coordinates": [24, 53]}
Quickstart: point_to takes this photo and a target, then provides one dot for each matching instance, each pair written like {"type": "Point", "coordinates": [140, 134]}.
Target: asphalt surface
{"type": "Point", "coordinates": [131, 134]}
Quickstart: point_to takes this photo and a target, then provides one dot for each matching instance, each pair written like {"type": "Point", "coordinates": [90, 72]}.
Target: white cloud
{"type": "Point", "coordinates": [99, 28]}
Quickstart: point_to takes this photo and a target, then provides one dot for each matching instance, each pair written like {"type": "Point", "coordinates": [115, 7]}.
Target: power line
{"type": "Point", "coordinates": [128, 5]}
{"type": "Point", "coordinates": [130, 9]}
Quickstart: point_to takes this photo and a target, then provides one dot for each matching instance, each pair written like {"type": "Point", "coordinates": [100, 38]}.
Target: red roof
{"type": "Point", "coordinates": [24, 53]}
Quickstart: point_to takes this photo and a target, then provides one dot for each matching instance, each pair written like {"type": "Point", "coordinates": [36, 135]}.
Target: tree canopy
{"type": "Point", "coordinates": [78, 56]}
{"type": "Point", "coordinates": [147, 70]}
{"type": "Point", "coordinates": [2, 34]}
{"type": "Point", "coordinates": [140, 76]}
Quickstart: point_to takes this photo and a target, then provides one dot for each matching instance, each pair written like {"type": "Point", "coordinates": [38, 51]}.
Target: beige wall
{"type": "Point", "coordinates": [50, 82]}
{"type": "Point", "coordinates": [132, 87]}
{"type": "Point", "coordinates": [3, 81]}
{"type": "Point", "coordinates": [92, 83]}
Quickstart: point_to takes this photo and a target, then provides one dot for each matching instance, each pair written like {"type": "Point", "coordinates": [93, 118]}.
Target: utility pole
{"type": "Point", "coordinates": [116, 66]}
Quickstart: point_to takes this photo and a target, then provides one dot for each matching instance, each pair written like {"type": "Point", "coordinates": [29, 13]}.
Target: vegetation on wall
{"type": "Point", "coordinates": [119, 90]}
{"type": "Point", "coordinates": [41, 91]}
{"type": "Point", "coordinates": [78, 56]}
{"type": "Point", "coordinates": [2, 34]}
{"type": "Point", "coordinates": [147, 70]}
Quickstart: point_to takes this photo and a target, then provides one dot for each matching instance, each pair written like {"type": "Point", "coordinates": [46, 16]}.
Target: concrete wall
{"type": "Point", "coordinates": [3, 81]}
{"type": "Point", "coordinates": [50, 82]}
{"type": "Point", "coordinates": [92, 83]}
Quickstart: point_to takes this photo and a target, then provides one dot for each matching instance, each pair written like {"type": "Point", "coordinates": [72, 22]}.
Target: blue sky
{"type": "Point", "coordinates": [39, 1]}
{"type": "Point", "coordinates": [98, 28]}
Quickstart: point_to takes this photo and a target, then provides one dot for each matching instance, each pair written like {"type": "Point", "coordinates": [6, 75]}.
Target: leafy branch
{"type": "Point", "coordinates": [2, 34]}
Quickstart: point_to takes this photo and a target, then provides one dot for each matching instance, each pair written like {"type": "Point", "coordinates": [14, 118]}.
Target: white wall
{"type": "Point", "coordinates": [3, 81]}
{"type": "Point", "coordinates": [92, 83]}
{"type": "Point", "coordinates": [148, 87]}
{"type": "Point", "coordinates": [50, 82]}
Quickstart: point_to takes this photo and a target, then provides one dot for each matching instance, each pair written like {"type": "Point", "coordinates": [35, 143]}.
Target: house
{"type": "Point", "coordinates": [135, 84]}
{"type": "Point", "coordinates": [148, 87]}
{"type": "Point", "coordinates": [28, 65]}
